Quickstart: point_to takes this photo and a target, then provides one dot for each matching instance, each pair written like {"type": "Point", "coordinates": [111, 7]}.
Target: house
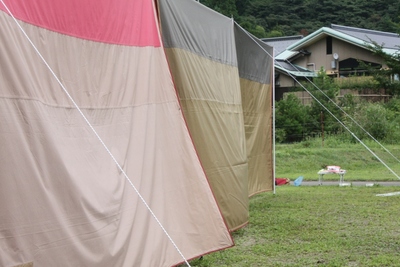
{"type": "Point", "coordinates": [284, 70]}
{"type": "Point", "coordinates": [337, 49]}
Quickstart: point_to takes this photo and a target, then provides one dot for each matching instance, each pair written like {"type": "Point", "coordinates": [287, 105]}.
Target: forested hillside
{"type": "Point", "coordinates": [272, 18]}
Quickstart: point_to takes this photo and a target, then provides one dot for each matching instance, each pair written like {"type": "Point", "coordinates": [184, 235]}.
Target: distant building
{"type": "Point", "coordinates": [338, 49]}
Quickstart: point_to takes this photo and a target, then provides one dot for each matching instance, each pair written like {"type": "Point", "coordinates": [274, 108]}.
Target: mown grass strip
{"type": "Point", "coordinates": [316, 226]}
{"type": "Point", "coordinates": [306, 160]}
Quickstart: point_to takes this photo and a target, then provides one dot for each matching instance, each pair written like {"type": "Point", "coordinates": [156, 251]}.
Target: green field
{"type": "Point", "coordinates": [321, 225]}
{"type": "Point", "coordinates": [307, 158]}
{"type": "Point", "coordinates": [316, 226]}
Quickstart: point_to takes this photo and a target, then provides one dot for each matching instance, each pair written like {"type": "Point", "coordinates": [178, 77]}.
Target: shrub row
{"type": "Point", "coordinates": [347, 118]}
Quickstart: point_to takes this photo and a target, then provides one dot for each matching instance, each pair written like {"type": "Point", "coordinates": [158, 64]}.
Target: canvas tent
{"type": "Point", "coordinates": [63, 200]}
{"type": "Point", "coordinates": [222, 75]}
{"type": "Point", "coordinates": [79, 187]}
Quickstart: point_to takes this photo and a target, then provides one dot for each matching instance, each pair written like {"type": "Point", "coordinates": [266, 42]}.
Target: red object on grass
{"type": "Point", "coordinates": [282, 181]}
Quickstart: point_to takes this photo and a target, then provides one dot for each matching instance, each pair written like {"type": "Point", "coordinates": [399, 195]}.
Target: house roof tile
{"type": "Point", "coordinates": [386, 39]}
{"type": "Point", "coordinates": [281, 43]}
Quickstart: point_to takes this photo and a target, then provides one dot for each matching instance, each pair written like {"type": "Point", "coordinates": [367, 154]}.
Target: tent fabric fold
{"type": "Point", "coordinates": [222, 76]}
{"type": "Point", "coordinates": [63, 201]}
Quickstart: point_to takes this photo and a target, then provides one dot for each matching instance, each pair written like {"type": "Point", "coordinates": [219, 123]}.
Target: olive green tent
{"type": "Point", "coordinates": [223, 78]}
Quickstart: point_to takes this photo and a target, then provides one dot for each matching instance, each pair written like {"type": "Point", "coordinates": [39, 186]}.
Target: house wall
{"type": "Point", "coordinates": [286, 84]}
{"type": "Point", "coordinates": [286, 81]}
{"type": "Point", "coordinates": [319, 58]}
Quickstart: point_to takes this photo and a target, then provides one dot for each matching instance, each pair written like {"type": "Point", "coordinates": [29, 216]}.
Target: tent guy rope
{"type": "Point", "coordinates": [341, 123]}
{"type": "Point", "coordinates": [344, 126]}
{"type": "Point", "coordinates": [96, 134]}
{"type": "Point", "coordinates": [348, 115]}
{"type": "Point", "coordinates": [319, 102]}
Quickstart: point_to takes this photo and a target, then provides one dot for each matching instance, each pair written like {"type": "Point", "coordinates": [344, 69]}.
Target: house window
{"type": "Point", "coordinates": [329, 45]}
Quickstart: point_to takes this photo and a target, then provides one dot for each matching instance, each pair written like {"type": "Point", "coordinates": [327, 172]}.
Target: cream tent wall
{"type": "Point", "coordinates": [63, 199]}
{"type": "Point", "coordinates": [222, 75]}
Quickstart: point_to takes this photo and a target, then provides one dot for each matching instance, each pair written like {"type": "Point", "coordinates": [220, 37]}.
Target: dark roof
{"type": "Point", "coordinates": [281, 43]}
{"type": "Point", "coordinates": [291, 67]}
{"type": "Point", "coordinates": [294, 70]}
{"type": "Point", "coordinates": [386, 39]}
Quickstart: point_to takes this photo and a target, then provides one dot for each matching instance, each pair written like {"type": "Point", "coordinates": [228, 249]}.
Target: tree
{"type": "Point", "coordinates": [225, 7]}
{"type": "Point", "coordinates": [387, 78]}
{"type": "Point", "coordinates": [374, 119]}
{"type": "Point", "coordinates": [326, 92]}
{"type": "Point", "coordinates": [291, 119]}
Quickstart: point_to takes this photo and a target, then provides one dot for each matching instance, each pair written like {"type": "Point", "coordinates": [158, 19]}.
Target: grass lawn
{"type": "Point", "coordinates": [316, 226]}
{"type": "Point", "coordinates": [307, 158]}
{"type": "Point", "coordinates": [321, 225]}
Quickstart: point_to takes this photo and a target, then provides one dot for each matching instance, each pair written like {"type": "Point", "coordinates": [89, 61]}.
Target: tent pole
{"type": "Point", "coordinates": [273, 120]}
